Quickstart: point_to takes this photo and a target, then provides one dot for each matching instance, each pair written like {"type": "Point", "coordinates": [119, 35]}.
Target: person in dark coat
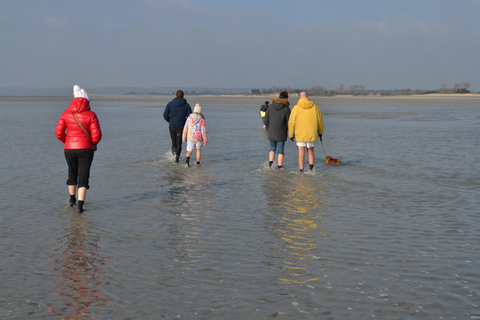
{"type": "Point", "coordinates": [276, 123]}
{"type": "Point", "coordinates": [176, 114]}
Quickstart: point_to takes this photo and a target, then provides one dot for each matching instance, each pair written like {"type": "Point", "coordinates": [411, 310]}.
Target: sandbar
{"type": "Point", "coordinates": [434, 100]}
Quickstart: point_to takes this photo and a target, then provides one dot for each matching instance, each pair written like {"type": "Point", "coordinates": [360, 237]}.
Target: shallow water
{"type": "Point", "coordinates": [393, 233]}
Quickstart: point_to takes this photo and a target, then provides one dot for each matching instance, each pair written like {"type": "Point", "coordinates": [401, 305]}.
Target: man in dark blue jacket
{"type": "Point", "coordinates": [176, 113]}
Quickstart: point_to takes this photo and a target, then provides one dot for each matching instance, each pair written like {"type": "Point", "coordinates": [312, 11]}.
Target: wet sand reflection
{"type": "Point", "coordinates": [303, 203]}
{"type": "Point", "coordinates": [81, 266]}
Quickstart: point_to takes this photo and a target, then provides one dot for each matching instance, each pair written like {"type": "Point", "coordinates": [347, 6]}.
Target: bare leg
{"type": "Point", "coordinates": [72, 189]}
{"type": "Point", "coordinates": [189, 153]}
{"type": "Point", "coordinates": [301, 157]}
{"type": "Point", "coordinates": [82, 192]}
{"type": "Point", "coordinates": [271, 155]}
{"type": "Point", "coordinates": [199, 155]}
{"type": "Point", "coordinates": [311, 156]}
{"type": "Point", "coordinates": [280, 160]}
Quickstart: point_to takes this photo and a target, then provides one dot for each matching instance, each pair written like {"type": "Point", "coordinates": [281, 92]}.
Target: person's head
{"type": "Point", "coordinates": [303, 94]}
{"type": "Point", "coordinates": [266, 103]}
{"type": "Point", "coordinates": [283, 95]}
{"type": "Point", "coordinates": [197, 109]}
{"type": "Point", "coordinates": [80, 93]}
{"type": "Point", "coordinates": [179, 94]}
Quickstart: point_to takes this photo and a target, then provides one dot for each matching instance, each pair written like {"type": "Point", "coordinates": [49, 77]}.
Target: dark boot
{"type": "Point", "coordinates": [80, 206]}
{"type": "Point", "coordinates": [72, 200]}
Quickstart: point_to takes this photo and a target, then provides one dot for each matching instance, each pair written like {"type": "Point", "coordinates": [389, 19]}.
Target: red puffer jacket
{"type": "Point", "coordinates": [75, 137]}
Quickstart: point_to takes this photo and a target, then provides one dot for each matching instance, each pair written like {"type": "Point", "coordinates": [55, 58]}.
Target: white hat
{"type": "Point", "coordinates": [80, 93]}
{"type": "Point", "coordinates": [197, 109]}
{"type": "Point", "coordinates": [76, 91]}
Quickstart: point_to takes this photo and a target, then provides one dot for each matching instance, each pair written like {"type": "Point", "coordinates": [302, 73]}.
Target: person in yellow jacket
{"type": "Point", "coordinates": [263, 111]}
{"type": "Point", "coordinates": [306, 125]}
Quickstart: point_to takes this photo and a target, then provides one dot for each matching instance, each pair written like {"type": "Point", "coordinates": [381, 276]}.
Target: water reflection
{"type": "Point", "coordinates": [186, 188]}
{"type": "Point", "coordinates": [186, 209]}
{"type": "Point", "coordinates": [80, 264]}
{"type": "Point", "coordinates": [175, 179]}
{"type": "Point", "coordinates": [301, 201]}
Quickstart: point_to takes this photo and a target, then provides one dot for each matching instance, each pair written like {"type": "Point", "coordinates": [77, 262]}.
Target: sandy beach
{"type": "Point", "coordinates": [439, 100]}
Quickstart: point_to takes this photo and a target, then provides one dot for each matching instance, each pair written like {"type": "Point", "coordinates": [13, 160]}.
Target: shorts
{"type": "Point", "coordinates": [278, 146]}
{"type": "Point", "coordinates": [306, 144]}
{"type": "Point", "coordinates": [191, 145]}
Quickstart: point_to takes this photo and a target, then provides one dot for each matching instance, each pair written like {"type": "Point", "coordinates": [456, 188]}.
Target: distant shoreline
{"type": "Point", "coordinates": [453, 100]}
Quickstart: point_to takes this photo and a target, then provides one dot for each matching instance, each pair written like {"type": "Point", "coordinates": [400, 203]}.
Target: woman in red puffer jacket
{"type": "Point", "coordinates": [80, 143]}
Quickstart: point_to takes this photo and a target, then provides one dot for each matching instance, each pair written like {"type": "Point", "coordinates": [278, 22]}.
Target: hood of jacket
{"type": "Point", "coordinates": [279, 103]}
{"type": "Point", "coordinates": [305, 103]}
{"type": "Point", "coordinates": [178, 102]}
{"type": "Point", "coordinates": [79, 105]}
{"type": "Point", "coordinates": [196, 117]}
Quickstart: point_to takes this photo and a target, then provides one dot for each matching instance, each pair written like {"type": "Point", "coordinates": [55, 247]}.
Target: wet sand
{"type": "Point", "coordinates": [392, 233]}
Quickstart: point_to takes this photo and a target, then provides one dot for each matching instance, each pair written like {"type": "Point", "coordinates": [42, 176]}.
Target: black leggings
{"type": "Point", "coordinates": [79, 162]}
{"type": "Point", "coordinates": [176, 135]}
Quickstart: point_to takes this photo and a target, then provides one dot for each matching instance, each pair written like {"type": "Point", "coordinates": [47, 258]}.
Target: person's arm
{"type": "Point", "coordinates": [185, 130]}
{"type": "Point", "coordinates": [60, 129]}
{"type": "Point", "coordinates": [204, 132]}
{"type": "Point", "coordinates": [288, 116]}
{"type": "Point", "coordinates": [291, 124]}
{"type": "Point", "coordinates": [166, 113]}
{"type": "Point", "coordinates": [320, 122]}
{"type": "Point", "coordinates": [95, 130]}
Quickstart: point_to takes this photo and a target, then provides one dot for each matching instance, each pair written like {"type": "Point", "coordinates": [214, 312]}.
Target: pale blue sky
{"type": "Point", "coordinates": [381, 44]}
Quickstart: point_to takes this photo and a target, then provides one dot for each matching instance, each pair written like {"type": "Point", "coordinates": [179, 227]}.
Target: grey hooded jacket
{"type": "Point", "coordinates": [276, 119]}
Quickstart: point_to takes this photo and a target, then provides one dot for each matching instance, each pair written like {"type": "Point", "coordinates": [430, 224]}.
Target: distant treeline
{"type": "Point", "coordinates": [68, 91]}
{"type": "Point", "coordinates": [359, 90]}
{"type": "Point", "coordinates": [356, 90]}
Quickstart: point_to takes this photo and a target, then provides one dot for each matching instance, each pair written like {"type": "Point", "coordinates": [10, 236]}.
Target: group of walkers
{"type": "Point", "coordinates": [185, 125]}
{"type": "Point", "coordinates": [304, 123]}
{"type": "Point", "coordinates": [79, 129]}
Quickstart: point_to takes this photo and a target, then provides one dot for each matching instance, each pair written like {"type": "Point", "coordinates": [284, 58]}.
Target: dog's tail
{"type": "Point", "coordinates": [340, 158]}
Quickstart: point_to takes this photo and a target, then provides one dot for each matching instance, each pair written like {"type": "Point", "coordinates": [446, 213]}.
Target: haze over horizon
{"type": "Point", "coordinates": [382, 45]}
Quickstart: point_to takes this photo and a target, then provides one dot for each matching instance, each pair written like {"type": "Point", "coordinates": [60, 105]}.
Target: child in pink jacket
{"type": "Point", "coordinates": [195, 133]}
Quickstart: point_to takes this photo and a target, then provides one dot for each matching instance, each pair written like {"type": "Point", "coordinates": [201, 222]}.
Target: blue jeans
{"type": "Point", "coordinates": [277, 145]}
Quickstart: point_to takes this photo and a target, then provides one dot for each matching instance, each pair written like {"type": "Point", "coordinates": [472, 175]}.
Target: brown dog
{"type": "Point", "coordinates": [335, 162]}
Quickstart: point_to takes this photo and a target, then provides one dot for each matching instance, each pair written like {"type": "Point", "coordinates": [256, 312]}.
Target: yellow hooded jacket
{"type": "Point", "coordinates": [306, 121]}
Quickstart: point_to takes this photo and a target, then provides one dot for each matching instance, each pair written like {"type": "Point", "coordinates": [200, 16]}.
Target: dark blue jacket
{"type": "Point", "coordinates": [177, 112]}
